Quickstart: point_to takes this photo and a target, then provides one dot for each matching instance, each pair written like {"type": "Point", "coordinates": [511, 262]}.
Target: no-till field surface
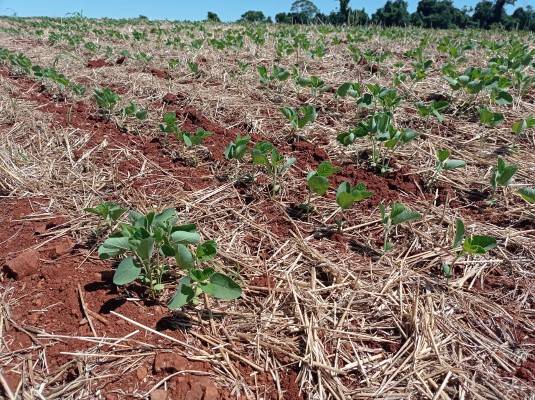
{"type": "Point", "coordinates": [324, 314]}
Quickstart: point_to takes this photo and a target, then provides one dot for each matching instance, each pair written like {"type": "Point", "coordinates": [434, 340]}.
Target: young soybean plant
{"type": "Point", "coordinates": [195, 139]}
{"type": "Point", "coordinates": [169, 125]}
{"type": "Point", "coordinates": [299, 117]}
{"type": "Point", "coordinates": [444, 163]}
{"type": "Point", "coordinates": [106, 100]}
{"type": "Point", "coordinates": [346, 196]}
{"type": "Point", "coordinates": [149, 240]}
{"type": "Point", "coordinates": [318, 181]}
{"type": "Point", "coordinates": [236, 150]}
{"type": "Point", "coordinates": [490, 118]}
{"type": "Point", "coordinates": [190, 139]}
{"type": "Point", "coordinates": [434, 108]}
{"type": "Point", "coordinates": [502, 175]}
{"type": "Point", "coordinates": [108, 211]}
{"type": "Point", "coordinates": [267, 155]}
{"type": "Point", "coordinates": [132, 110]}
{"type": "Point", "coordinates": [463, 246]}
{"type": "Point", "coordinates": [398, 214]}
{"type": "Point", "coordinates": [523, 124]}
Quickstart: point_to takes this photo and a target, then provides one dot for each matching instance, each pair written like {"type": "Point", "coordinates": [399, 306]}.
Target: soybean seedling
{"type": "Point", "coordinates": [435, 109]}
{"type": "Point", "coordinates": [169, 125]}
{"type": "Point", "coordinates": [106, 100]}
{"type": "Point", "coordinates": [378, 128]}
{"type": "Point", "coordinates": [444, 163]}
{"type": "Point", "coordinates": [236, 150]}
{"type": "Point", "coordinates": [275, 164]}
{"type": "Point", "coordinates": [299, 117]}
{"type": "Point", "coordinates": [352, 89]}
{"type": "Point", "coordinates": [346, 196]}
{"type": "Point", "coordinates": [109, 211]}
{"type": "Point", "coordinates": [490, 118]}
{"type": "Point", "coordinates": [523, 124]}
{"type": "Point", "coordinates": [194, 139]}
{"type": "Point", "coordinates": [201, 279]}
{"type": "Point", "coordinates": [397, 215]}
{"type": "Point", "coordinates": [318, 182]}
{"type": "Point", "coordinates": [132, 110]}
{"type": "Point", "coordinates": [279, 74]}
{"type": "Point", "coordinates": [149, 240]}
{"type": "Point", "coordinates": [502, 175]}
{"type": "Point", "coordinates": [463, 246]}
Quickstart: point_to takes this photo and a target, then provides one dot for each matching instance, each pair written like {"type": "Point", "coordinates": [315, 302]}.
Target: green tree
{"type": "Point", "coordinates": [483, 14]}
{"type": "Point", "coordinates": [253, 16]}
{"type": "Point", "coordinates": [435, 14]}
{"type": "Point", "coordinates": [344, 10]}
{"type": "Point", "coordinates": [498, 11]}
{"type": "Point", "coordinates": [283, 18]}
{"type": "Point", "coordinates": [393, 13]}
{"type": "Point", "coordinates": [358, 17]}
{"type": "Point", "coordinates": [212, 17]}
{"type": "Point", "coordinates": [523, 19]}
{"type": "Point", "coordinates": [305, 8]}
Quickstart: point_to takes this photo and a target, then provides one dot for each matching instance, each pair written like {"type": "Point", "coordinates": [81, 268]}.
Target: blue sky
{"type": "Point", "coordinates": [228, 10]}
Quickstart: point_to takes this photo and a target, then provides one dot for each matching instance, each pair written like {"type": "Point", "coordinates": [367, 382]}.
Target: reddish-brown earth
{"type": "Point", "coordinates": [47, 278]}
{"type": "Point", "coordinates": [46, 275]}
{"type": "Point", "coordinates": [97, 63]}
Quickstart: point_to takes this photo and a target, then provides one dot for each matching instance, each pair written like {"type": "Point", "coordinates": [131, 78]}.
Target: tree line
{"type": "Point", "coordinates": [441, 14]}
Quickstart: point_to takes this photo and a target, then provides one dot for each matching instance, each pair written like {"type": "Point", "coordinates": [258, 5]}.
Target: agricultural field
{"type": "Point", "coordinates": [221, 211]}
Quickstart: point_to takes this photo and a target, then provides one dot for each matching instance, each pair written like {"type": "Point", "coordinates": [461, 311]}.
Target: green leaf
{"type": "Point", "coordinates": [459, 233]}
{"type": "Point", "coordinates": [260, 151]}
{"type": "Point", "coordinates": [343, 89]}
{"type": "Point", "coordinates": [289, 113]}
{"type": "Point", "coordinates": [326, 169]}
{"type": "Point", "coordinates": [221, 287]}
{"type": "Point", "coordinates": [113, 246]}
{"type": "Point", "coordinates": [318, 184]}
{"type": "Point", "coordinates": [145, 248]}
{"type": "Point", "coordinates": [503, 98]}
{"type": "Point", "coordinates": [344, 198]}
{"type": "Point", "coordinates": [184, 294]}
{"type": "Point", "coordinates": [127, 272]}
{"type": "Point", "coordinates": [201, 275]}
{"type": "Point", "coordinates": [400, 214]}
{"type": "Point", "coordinates": [518, 126]}
{"type": "Point", "coordinates": [107, 210]}
{"type": "Point", "coordinates": [443, 155]}
{"type": "Point", "coordinates": [309, 116]}
{"type": "Point", "coordinates": [453, 164]}
{"type": "Point", "coordinates": [360, 193]}
{"type": "Point", "coordinates": [527, 194]}
{"type": "Point", "coordinates": [479, 244]}
{"type": "Point", "coordinates": [167, 216]}
{"type": "Point", "coordinates": [183, 257]}
{"type": "Point", "coordinates": [523, 124]}
{"type": "Point", "coordinates": [185, 237]}
{"type": "Point", "coordinates": [503, 174]}
{"type": "Point", "coordinates": [490, 118]}
{"type": "Point", "coordinates": [206, 251]}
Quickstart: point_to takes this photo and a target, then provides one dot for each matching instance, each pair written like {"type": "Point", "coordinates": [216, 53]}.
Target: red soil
{"type": "Point", "coordinates": [48, 300]}
{"type": "Point", "coordinates": [160, 73]}
{"type": "Point", "coordinates": [47, 278]}
{"type": "Point", "coordinates": [97, 63]}
{"type": "Point", "coordinates": [51, 283]}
